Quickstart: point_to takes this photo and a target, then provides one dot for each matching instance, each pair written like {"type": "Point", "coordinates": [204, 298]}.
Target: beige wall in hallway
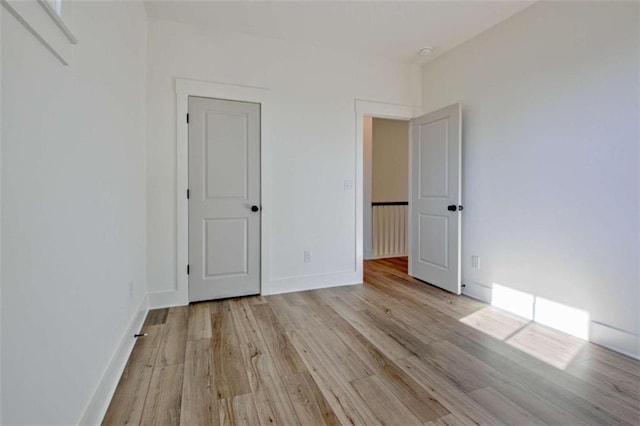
{"type": "Point", "coordinates": [390, 178]}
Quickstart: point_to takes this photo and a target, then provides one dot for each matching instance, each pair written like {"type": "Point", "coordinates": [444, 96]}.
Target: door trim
{"type": "Point", "coordinates": [377, 110]}
{"type": "Point", "coordinates": [185, 88]}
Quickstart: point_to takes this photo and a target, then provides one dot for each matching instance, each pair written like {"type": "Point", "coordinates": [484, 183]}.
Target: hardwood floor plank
{"type": "Point", "coordinates": [458, 366]}
{"type": "Point", "coordinates": [238, 411]}
{"type": "Point", "coordinates": [174, 337]}
{"type": "Point", "coordinates": [271, 400]}
{"type": "Point", "coordinates": [199, 404]}
{"type": "Point", "coordinates": [216, 307]}
{"type": "Point", "coordinates": [389, 346]}
{"type": "Point", "coordinates": [605, 358]}
{"type": "Point", "coordinates": [199, 358]}
{"type": "Point", "coordinates": [541, 408]}
{"type": "Point", "coordinates": [344, 359]}
{"type": "Point", "coordinates": [164, 399]}
{"type": "Point", "coordinates": [448, 394]}
{"type": "Point", "coordinates": [503, 408]}
{"type": "Point", "coordinates": [343, 399]}
{"type": "Point", "coordinates": [408, 340]}
{"type": "Point", "coordinates": [256, 300]}
{"type": "Point", "coordinates": [230, 375]}
{"type": "Point", "coordinates": [387, 408]}
{"type": "Point", "coordinates": [622, 384]}
{"type": "Point", "coordinates": [310, 405]}
{"type": "Point", "coordinates": [294, 299]}
{"type": "Point", "coordinates": [284, 355]}
{"type": "Point", "coordinates": [448, 420]}
{"type": "Point", "coordinates": [156, 317]}
{"type": "Point", "coordinates": [422, 404]}
{"type": "Point", "coordinates": [281, 309]}
{"type": "Point", "coordinates": [199, 321]}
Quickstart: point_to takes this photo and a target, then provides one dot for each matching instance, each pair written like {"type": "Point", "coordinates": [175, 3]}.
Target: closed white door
{"type": "Point", "coordinates": [224, 198]}
{"type": "Point", "coordinates": [436, 197]}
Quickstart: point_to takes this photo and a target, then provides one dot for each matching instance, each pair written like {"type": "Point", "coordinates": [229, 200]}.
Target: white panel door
{"type": "Point", "coordinates": [435, 198]}
{"type": "Point", "coordinates": [224, 199]}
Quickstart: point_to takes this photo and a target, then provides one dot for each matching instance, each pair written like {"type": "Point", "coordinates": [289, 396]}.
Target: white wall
{"type": "Point", "coordinates": [390, 178]}
{"type": "Point", "coordinates": [312, 94]}
{"type": "Point", "coordinates": [550, 156]}
{"type": "Point", "coordinates": [73, 209]}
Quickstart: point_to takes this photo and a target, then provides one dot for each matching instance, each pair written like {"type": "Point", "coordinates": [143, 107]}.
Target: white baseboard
{"type": "Point", "coordinates": [615, 339]}
{"type": "Point", "coordinates": [166, 299]}
{"type": "Point", "coordinates": [477, 291]}
{"type": "Point", "coordinates": [311, 282]}
{"type": "Point", "coordinates": [97, 407]}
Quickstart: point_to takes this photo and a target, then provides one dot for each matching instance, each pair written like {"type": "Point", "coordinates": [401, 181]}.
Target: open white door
{"type": "Point", "coordinates": [435, 208]}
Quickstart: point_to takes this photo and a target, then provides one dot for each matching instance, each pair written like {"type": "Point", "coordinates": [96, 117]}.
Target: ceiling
{"type": "Point", "coordinates": [392, 30]}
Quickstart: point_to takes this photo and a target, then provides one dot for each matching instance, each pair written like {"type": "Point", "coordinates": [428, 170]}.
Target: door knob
{"type": "Point", "coordinates": [452, 208]}
{"type": "Point", "coordinates": [255, 208]}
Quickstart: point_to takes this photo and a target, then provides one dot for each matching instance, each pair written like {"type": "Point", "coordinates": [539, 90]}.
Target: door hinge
{"type": "Point", "coordinates": [187, 118]}
{"type": "Point", "coordinates": [187, 193]}
{"type": "Point", "coordinates": [187, 269]}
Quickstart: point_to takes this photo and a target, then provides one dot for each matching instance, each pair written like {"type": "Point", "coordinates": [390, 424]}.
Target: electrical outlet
{"type": "Point", "coordinates": [307, 256]}
{"type": "Point", "coordinates": [348, 185]}
{"type": "Point", "coordinates": [475, 262]}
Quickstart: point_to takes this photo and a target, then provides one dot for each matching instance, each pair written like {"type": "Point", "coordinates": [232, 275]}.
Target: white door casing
{"type": "Point", "coordinates": [224, 201]}
{"type": "Point", "coordinates": [435, 203]}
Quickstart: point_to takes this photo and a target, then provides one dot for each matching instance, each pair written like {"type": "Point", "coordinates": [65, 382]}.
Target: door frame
{"type": "Point", "coordinates": [185, 88]}
{"type": "Point", "coordinates": [377, 110]}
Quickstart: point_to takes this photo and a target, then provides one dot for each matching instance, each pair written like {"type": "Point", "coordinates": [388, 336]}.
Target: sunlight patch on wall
{"type": "Point", "coordinates": [513, 301]}
{"type": "Point", "coordinates": [562, 317]}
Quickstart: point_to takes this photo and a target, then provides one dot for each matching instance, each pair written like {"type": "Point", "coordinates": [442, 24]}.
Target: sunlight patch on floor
{"type": "Point", "coordinates": [495, 322]}
{"type": "Point", "coordinates": [551, 346]}
{"type": "Point", "coordinates": [548, 330]}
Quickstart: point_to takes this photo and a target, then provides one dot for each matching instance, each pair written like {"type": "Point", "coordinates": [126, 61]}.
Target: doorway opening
{"type": "Point", "coordinates": [386, 187]}
{"type": "Point", "coordinates": [432, 223]}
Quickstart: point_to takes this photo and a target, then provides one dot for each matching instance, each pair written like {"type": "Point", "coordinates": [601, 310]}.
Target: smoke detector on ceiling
{"type": "Point", "coordinates": [426, 50]}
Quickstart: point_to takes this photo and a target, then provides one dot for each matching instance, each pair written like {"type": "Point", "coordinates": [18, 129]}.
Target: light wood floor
{"type": "Point", "coordinates": [391, 351]}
